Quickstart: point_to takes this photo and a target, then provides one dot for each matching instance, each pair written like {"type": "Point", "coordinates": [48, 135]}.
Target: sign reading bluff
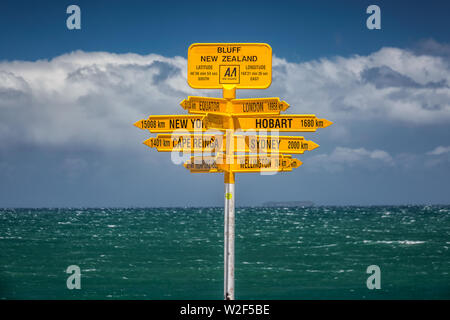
{"type": "Point", "coordinates": [243, 65]}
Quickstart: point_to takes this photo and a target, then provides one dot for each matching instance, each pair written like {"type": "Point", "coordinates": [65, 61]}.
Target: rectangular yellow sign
{"type": "Point", "coordinates": [243, 65]}
{"type": "Point", "coordinates": [244, 163]}
{"type": "Point", "coordinates": [282, 123]}
{"type": "Point", "coordinates": [238, 106]}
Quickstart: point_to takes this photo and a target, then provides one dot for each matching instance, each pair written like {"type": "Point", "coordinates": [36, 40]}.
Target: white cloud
{"type": "Point", "coordinates": [439, 151]}
{"type": "Point", "coordinates": [438, 156]}
{"type": "Point", "coordinates": [86, 99]}
{"type": "Point", "coordinates": [343, 157]}
{"type": "Point", "coordinates": [388, 85]}
{"type": "Point", "coordinates": [92, 99]}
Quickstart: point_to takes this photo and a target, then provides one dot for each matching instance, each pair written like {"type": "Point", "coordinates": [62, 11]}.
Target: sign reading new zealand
{"type": "Point", "coordinates": [243, 65]}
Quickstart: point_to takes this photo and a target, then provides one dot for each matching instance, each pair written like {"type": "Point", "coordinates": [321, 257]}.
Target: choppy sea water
{"type": "Point", "coordinates": [177, 253]}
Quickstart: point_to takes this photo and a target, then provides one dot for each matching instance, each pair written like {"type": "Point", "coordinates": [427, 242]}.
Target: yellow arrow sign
{"type": "Point", "coordinates": [187, 143]}
{"type": "Point", "coordinates": [282, 123]}
{"type": "Point", "coordinates": [247, 163]}
{"type": "Point", "coordinates": [273, 144]}
{"type": "Point", "coordinates": [243, 65]}
{"type": "Point", "coordinates": [215, 143]}
{"type": "Point", "coordinates": [260, 163]}
{"type": "Point", "coordinates": [202, 165]}
{"type": "Point", "coordinates": [239, 106]}
{"type": "Point", "coordinates": [169, 123]}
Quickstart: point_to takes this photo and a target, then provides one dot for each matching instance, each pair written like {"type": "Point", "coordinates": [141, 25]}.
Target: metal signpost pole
{"type": "Point", "coordinates": [229, 237]}
{"type": "Point", "coordinates": [229, 94]}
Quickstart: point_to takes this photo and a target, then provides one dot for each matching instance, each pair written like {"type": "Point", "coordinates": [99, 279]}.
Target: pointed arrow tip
{"type": "Point", "coordinates": [148, 142]}
{"type": "Point", "coordinates": [138, 124]}
{"type": "Point", "coordinates": [326, 123]}
{"type": "Point", "coordinates": [285, 105]}
{"type": "Point", "coordinates": [296, 163]}
{"type": "Point", "coordinates": [183, 103]}
{"type": "Point", "coordinates": [313, 145]}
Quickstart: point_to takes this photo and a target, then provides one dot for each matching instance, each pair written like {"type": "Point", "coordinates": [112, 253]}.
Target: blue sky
{"type": "Point", "coordinates": [68, 99]}
{"type": "Point", "coordinates": [297, 30]}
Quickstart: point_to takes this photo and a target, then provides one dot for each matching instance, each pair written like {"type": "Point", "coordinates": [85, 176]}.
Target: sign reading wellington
{"type": "Point", "coordinates": [243, 65]}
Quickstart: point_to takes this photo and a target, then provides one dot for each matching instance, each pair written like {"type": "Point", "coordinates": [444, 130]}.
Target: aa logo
{"type": "Point", "coordinates": [229, 74]}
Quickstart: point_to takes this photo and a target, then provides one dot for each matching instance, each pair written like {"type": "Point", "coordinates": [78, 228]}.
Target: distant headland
{"type": "Point", "coordinates": [288, 204]}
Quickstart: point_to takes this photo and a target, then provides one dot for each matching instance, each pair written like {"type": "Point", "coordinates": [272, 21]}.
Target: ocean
{"type": "Point", "coordinates": [177, 253]}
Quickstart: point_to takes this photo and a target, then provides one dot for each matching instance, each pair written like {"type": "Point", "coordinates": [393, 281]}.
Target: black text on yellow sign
{"type": "Point", "coordinates": [282, 123]}
{"type": "Point", "coordinates": [238, 106]}
{"type": "Point", "coordinates": [243, 65]}
{"type": "Point", "coordinates": [210, 143]}
{"type": "Point", "coordinates": [170, 123]}
{"type": "Point", "coordinates": [246, 163]}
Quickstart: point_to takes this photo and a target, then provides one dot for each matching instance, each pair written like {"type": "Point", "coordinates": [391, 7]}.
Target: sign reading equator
{"type": "Point", "coordinates": [196, 105]}
{"type": "Point", "coordinates": [243, 65]}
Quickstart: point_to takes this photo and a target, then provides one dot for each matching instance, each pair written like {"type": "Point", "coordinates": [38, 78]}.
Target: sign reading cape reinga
{"type": "Point", "coordinates": [208, 132]}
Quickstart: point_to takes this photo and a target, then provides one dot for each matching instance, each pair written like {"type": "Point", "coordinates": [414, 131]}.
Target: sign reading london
{"type": "Point", "coordinates": [242, 65]}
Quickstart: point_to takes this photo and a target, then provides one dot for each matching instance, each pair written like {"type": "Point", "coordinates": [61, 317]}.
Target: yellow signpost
{"type": "Point", "coordinates": [231, 66]}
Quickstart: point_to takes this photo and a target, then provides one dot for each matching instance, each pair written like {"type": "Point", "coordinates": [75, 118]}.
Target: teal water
{"type": "Point", "coordinates": [177, 253]}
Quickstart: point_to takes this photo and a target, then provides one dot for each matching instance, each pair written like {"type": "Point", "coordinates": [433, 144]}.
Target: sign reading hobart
{"type": "Point", "coordinates": [243, 65]}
